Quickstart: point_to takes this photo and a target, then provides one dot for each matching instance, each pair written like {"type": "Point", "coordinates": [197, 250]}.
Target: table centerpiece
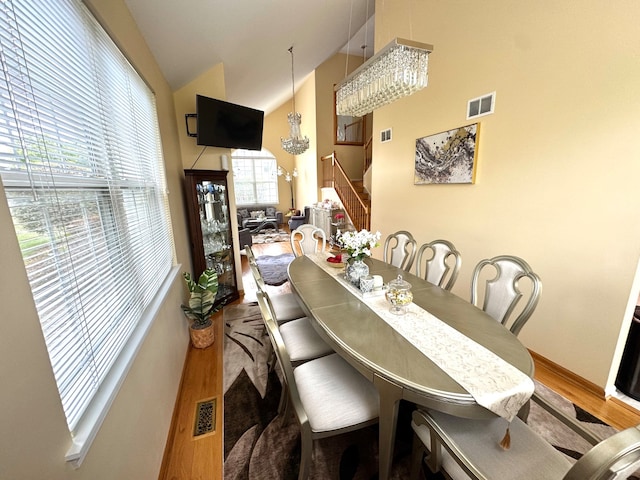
{"type": "Point", "coordinates": [358, 246]}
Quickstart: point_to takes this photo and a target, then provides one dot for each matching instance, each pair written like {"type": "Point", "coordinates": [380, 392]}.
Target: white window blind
{"type": "Point", "coordinates": [254, 177]}
{"type": "Point", "coordinates": [82, 169]}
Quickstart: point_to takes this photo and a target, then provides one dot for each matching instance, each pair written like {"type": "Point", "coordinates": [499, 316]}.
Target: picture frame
{"type": "Point", "coordinates": [447, 157]}
{"type": "Point", "coordinates": [347, 130]}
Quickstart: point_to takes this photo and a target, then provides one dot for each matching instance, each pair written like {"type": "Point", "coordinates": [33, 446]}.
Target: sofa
{"type": "Point", "coordinates": [251, 212]}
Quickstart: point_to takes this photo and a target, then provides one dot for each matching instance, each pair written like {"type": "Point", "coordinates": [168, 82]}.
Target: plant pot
{"type": "Point", "coordinates": [202, 336]}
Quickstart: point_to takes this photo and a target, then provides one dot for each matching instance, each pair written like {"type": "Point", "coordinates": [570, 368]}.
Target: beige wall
{"type": "Point", "coordinates": [276, 126]}
{"type": "Point", "coordinates": [131, 442]}
{"type": "Point", "coordinates": [557, 169]}
{"type": "Point", "coordinates": [210, 84]}
{"type": "Point", "coordinates": [327, 75]}
{"type": "Point", "coordinates": [307, 188]}
{"type": "Point", "coordinates": [196, 157]}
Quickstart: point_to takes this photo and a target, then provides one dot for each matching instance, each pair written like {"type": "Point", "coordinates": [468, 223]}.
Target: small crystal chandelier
{"type": "Point", "coordinates": [396, 71]}
{"type": "Point", "coordinates": [294, 144]}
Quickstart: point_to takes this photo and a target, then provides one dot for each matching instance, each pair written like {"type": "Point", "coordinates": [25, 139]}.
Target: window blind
{"type": "Point", "coordinates": [254, 177]}
{"type": "Point", "coordinates": [82, 168]}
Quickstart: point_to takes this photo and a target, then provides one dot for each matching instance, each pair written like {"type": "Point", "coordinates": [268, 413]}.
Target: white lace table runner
{"type": "Point", "coordinates": [494, 383]}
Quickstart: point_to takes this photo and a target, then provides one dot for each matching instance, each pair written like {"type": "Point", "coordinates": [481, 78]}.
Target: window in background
{"type": "Point", "coordinates": [81, 164]}
{"type": "Point", "coordinates": [254, 177]}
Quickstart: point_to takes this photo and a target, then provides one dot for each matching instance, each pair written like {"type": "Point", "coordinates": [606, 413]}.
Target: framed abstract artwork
{"type": "Point", "coordinates": [447, 157]}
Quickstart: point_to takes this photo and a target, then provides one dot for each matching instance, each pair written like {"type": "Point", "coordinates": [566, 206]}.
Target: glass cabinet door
{"type": "Point", "coordinates": [210, 229]}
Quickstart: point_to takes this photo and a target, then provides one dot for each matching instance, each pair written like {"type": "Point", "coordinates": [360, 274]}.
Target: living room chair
{"type": "Point", "coordinates": [502, 290]}
{"type": "Point", "coordinates": [328, 396]}
{"type": "Point", "coordinates": [286, 306]}
{"type": "Point", "coordinates": [244, 238]}
{"type": "Point", "coordinates": [307, 239]}
{"type": "Point", "coordinates": [442, 266]}
{"type": "Point", "coordinates": [399, 250]}
{"type": "Point", "coordinates": [296, 220]}
{"type": "Point", "coordinates": [472, 451]}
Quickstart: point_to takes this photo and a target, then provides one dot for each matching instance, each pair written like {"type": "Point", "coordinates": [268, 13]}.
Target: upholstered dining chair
{"type": "Point", "coordinates": [285, 305]}
{"type": "Point", "coordinates": [442, 266]}
{"type": "Point", "coordinates": [328, 396]}
{"type": "Point", "coordinates": [301, 340]}
{"type": "Point", "coordinates": [399, 249]}
{"type": "Point", "coordinates": [472, 451]}
{"type": "Point", "coordinates": [307, 239]}
{"type": "Point", "coordinates": [502, 289]}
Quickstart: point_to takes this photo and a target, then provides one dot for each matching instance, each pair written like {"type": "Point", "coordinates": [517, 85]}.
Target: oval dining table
{"type": "Point", "coordinates": [395, 366]}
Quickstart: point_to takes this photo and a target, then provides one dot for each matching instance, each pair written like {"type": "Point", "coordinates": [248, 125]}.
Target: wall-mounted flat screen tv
{"type": "Point", "coordinates": [227, 125]}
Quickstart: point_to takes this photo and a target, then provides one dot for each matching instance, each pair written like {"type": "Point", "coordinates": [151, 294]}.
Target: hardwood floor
{"type": "Point", "coordinates": [200, 458]}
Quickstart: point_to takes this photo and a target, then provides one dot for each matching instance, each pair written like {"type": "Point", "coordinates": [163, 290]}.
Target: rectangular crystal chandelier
{"type": "Point", "coordinates": [398, 70]}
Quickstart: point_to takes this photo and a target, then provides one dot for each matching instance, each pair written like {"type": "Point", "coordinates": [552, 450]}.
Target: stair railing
{"type": "Point", "coordinates": [368, 155]}
{"type": "Point", "coordinates": [336, 177]}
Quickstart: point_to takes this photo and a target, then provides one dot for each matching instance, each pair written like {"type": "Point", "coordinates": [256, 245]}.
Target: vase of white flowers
{"type": "Point", "coordinates": [358, 246]}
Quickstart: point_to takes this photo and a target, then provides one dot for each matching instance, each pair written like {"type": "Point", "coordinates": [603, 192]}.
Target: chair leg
{"type": "Point", "coordinates": [434, 459]}
{"type": "Point", "coordinates": [305, 455]}
{"type": "Point", "coordinates": [417, 456]}
{"type": "Point", "coordinates": [283, 406]}
{"type": "Point", "coordinates": [271, 362]}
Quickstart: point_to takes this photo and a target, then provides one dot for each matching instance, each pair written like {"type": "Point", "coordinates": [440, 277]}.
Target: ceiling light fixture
{"type": "Point", "coordinates": [294, 144]}
{"type": "Point", "coordinates": [396, 71]}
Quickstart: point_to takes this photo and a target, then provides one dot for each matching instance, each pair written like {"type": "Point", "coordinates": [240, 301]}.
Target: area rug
{"type": "Point", "coordinates": [259, 444]}
{"type": "Point", "coordinates": [270, 236]}
{"type": "Point", "coordinates": [274, 268]}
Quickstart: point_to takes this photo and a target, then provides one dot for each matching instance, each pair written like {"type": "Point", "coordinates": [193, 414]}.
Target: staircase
{"type": "Point", "coordinates": [352, 194]}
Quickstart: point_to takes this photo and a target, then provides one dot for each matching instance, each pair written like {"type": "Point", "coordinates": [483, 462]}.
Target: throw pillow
{"type": "Point", "coordinates": [271, 212]}
{"type": "Point", "coordinates": [244, 213]}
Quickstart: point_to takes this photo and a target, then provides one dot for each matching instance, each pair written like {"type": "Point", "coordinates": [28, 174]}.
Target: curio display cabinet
{"type": "Point", "coordinates": [210, 229]}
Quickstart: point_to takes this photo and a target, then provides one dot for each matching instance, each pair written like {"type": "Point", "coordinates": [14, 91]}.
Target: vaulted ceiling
{"type": "Point", "coordinates": [251, 38]}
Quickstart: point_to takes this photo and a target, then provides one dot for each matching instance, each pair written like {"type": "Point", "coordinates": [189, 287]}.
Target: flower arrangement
{"type": "Point", "coordinates": [358, 244]}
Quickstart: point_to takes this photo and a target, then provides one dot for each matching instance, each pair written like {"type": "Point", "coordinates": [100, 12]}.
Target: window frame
{"type": "Point", "coordinates": [270, 179]}
{"type": "Point", "coordinates": [51, 160]}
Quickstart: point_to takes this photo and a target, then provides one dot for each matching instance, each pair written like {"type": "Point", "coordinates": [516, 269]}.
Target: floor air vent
{"type": "Point", "coordinates": [205, 417]}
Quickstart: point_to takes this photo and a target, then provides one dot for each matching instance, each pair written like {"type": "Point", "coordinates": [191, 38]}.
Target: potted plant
{"type": "Point", "coordinates": [201, 307]}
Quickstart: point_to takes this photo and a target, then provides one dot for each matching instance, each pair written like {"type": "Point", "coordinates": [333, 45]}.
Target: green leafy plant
{"type": "Point", "coordinates": [203, 296]}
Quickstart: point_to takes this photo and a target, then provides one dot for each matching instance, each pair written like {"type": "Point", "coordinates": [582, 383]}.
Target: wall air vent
{"type": "Point", "coordinates": [484, 105]}
{"type": "Point", "coordinates": [385, 135]}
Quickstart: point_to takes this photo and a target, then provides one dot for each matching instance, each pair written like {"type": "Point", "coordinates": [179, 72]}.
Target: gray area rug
{"type": "Point", "coordinates": [274, 268]}
{"type": "Point", "coordinates": [258, 444]}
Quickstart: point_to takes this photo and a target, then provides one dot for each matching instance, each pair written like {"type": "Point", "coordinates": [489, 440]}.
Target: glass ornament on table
{"type": "Point", "coordinates": [399, 295]}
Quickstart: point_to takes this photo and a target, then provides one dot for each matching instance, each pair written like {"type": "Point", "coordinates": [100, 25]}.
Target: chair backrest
{"type": "Point", "coordinates": [400, 249]}
{"type": "Point", "coordinates": [617, 457]}
{"type": "Point", "coordinates": [502, 292]}
{"type": "Point", "coordinates": [250, 255]}
{"type": "Point", "coordinates": [255, 271]}
{"type": "Point", "coordinates": [282, 357]}
{"type": "Point", "coordinates": [307, 239]}
{"type": "Point", "coordinates": [442, 267]}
